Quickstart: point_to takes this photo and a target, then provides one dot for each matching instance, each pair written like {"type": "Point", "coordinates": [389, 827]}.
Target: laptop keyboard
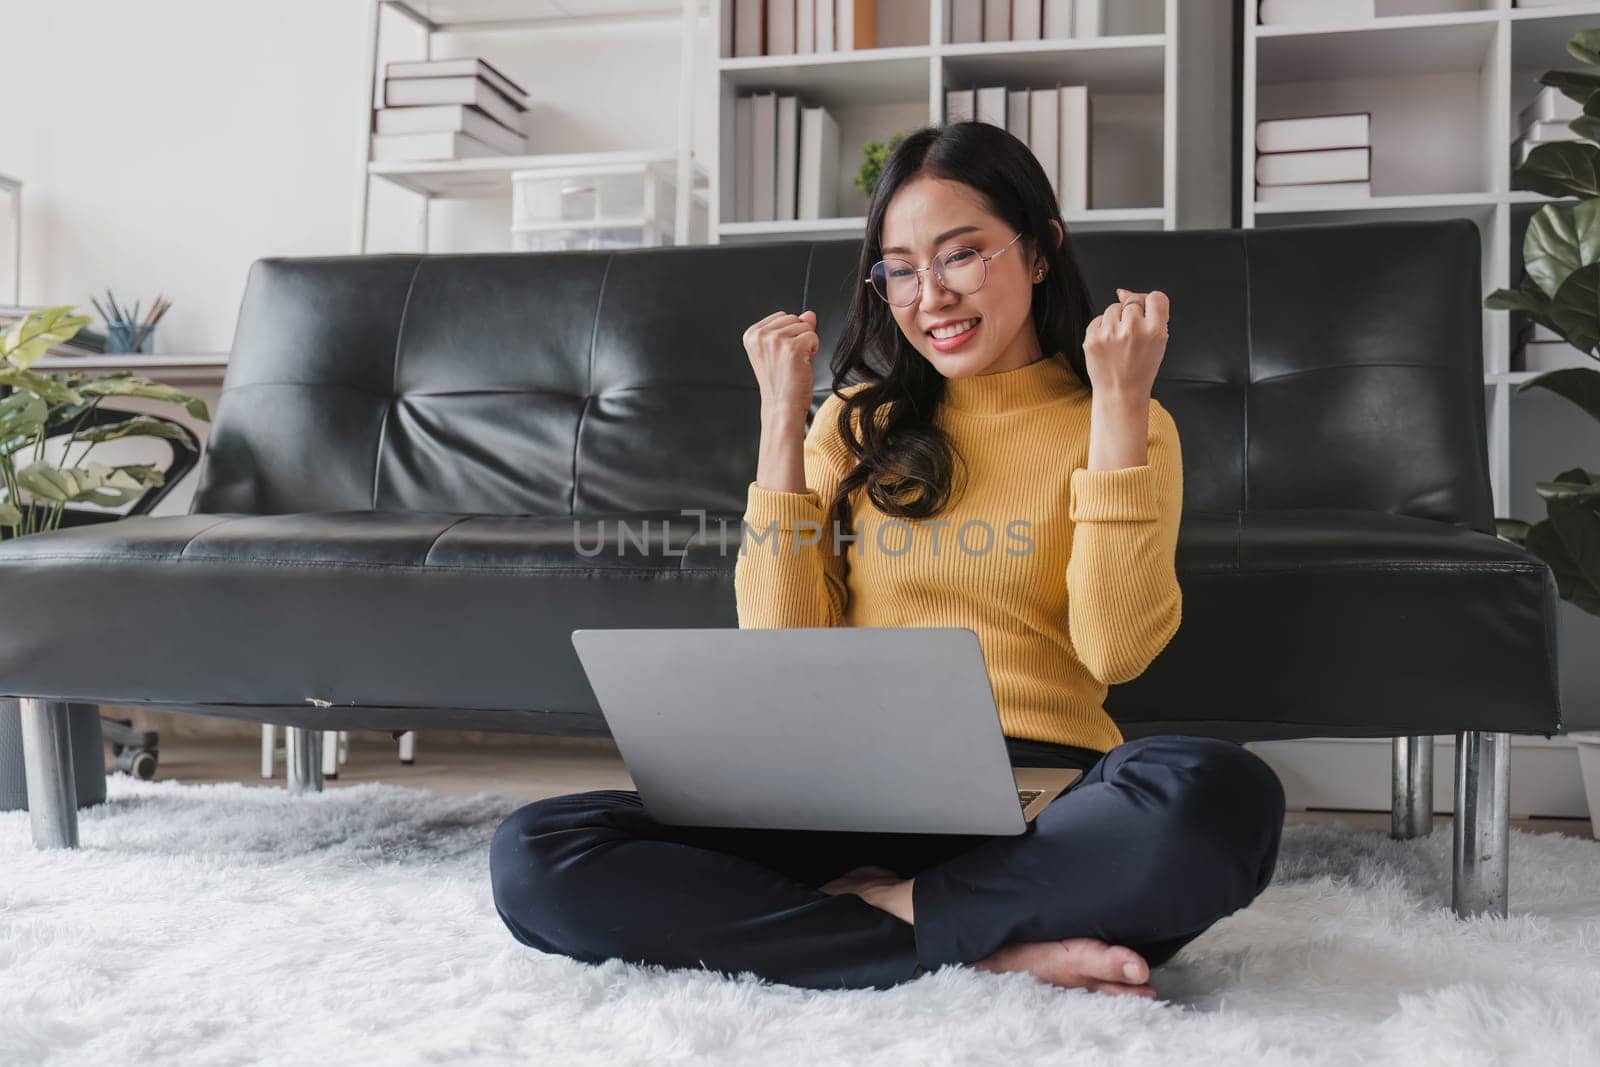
{"type": "Point", "coordinates": [1027, 796]}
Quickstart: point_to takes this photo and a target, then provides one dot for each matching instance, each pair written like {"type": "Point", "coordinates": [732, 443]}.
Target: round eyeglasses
{"type": "Point", "coordinates": [961, 270]}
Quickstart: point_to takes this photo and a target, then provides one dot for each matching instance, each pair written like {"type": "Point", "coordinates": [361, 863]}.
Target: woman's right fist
{"type": "Point", "coordinates": [780, 347]}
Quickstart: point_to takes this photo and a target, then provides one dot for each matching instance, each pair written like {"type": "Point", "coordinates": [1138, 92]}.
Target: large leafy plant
{"type": "Point", "coordinates": [37, 405]}
{"type": "Point", "coordinates": [1561, 291]}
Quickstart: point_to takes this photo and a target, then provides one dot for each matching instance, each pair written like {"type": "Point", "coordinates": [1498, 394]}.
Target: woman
{"type": "Point", "coordinates": [1067, 453]}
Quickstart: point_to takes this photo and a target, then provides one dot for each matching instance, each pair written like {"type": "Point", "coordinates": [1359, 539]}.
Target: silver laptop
{"type": "Point", "coordinates": [890, 729]}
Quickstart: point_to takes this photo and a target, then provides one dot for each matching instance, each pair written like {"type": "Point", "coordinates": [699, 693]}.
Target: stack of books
{"type": "Point", "coordinates": [791, 27]}
{"type": "Point", "coordinates": [1054, 123]}
{"type": "Point", "coordinates": [1543, 121]}
{"type": "Point", "coordinates": [786, 163]}
{"type": "Point", "coordinates": [448, 109]}
{"type": "Point", "coordinates": [85, 342]}
{"type": "Point", "coordinates": [1315, 12]}
{"type": "Point", "coordinates": [1543, 349]}
{"type": "Point", "coordinates": [972, 21]}
{"type": "Point", "coordinates": [1314, 157]}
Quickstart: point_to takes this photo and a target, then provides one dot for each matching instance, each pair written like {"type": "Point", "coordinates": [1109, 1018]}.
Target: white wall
{"type": "Point", "coordinates": [166, 145]}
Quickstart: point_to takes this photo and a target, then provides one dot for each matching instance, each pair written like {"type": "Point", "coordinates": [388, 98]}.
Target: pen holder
{"type": "Point", "coordinates": [120, 338]}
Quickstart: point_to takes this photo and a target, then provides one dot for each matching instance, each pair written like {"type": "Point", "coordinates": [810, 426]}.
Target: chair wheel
{"type": "Point", "coordinates": [138, 762]}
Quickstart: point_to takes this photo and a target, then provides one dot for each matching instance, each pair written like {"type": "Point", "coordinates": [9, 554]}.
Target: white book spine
{"type": "Point", "coordinates": [1334, 165]}
{"type": "Point", "coordinates": [805, 25]}
{"type": "Point", "coordinates": [393, 147]}
{"type": "Point", "coordinates": [1072, 187]}
{"type": "Point", "coordinates": [819, 164]}
{"type": "Point", "coordinates": [744, 137]}
{"type": "Point", "coordinates": [825, 26]}
{"type": "Point", "coordinates": [1026, 20]}
{"type": "Point", "coordinates": [1057, 19]}
{"type": "Point", "coordinates": [780, 27]}
{"type": "Point", "coordinates": [991, 105]}
{"type": "Point", "coordinates": [1017, 114]}
{"type": "Point", "coordinates": [1545, 132]}
{"type": "Point", "coordinates": [726, 32]}
{"type": "Point", "coordinates": [1086, 18]}
{"type": "Point", "coordinates": [1268, 194]}
{"type": "Point", "coordinates": [749, 26]}
{"type": "Point", "coordinates": [844, 25]}
{"type": "Point", "coordinates": [960, 105]}
{"type": "Point", "coordinates": [1044, 132]}
{"type": "Point", "coordinates": [1315, 12]}
{"type": "Point", "coordinates": [788, 147]}
{"type": "Point", "coordinates": [1313, 132]}
{"type": "Point", "coordinates": [966, 21]}
{"type": "Point", "coordinates": [996, 20]}
{"type": "Point", "coordinates": [766, 161]}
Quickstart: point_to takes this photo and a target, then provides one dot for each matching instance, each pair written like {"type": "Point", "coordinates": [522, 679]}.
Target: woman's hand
{"type": "Point", "coordinates": [780, 347]}
{"type": "Point", "coordinates": [1124, 344]}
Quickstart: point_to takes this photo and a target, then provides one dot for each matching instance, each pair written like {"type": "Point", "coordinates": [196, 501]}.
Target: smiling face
{"type": "Point", "coordinates": [929, 215]}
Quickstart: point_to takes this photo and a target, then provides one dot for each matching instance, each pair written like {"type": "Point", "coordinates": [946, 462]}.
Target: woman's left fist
{"type": "Point", "coordinates": [1123, 345]}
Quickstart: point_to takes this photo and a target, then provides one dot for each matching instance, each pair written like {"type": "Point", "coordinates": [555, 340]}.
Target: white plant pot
{"type": "Point", "coordinates": [1589, 760]}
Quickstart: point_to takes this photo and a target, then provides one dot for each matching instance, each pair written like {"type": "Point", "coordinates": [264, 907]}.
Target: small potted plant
{"type": "Point", "coordinates": [1561, 257]}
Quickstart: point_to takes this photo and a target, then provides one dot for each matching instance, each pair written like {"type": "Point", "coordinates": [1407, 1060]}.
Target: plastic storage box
{"type": "Point", "coordinates": [609, 205]}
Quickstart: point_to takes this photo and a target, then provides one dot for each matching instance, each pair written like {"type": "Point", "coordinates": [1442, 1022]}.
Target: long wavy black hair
{"type": "Point", "coordinates": [904, 461]}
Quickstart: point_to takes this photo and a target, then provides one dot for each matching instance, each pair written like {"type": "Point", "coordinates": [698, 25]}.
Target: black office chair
{"type": "Point", "coordinates": [137, 751]}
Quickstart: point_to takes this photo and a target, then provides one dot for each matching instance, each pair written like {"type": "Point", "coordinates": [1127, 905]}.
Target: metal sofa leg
{"type": "Point", "coordinates": [1411, 807]}
{"type": "Point", "coordinates": [303, 759]}
{"type": "Point", "coordinates": [47, 756]}
{"type": "Point", "coordinates": [1481, 868]}
{"type": "Point", "coordinates": [269, 741]}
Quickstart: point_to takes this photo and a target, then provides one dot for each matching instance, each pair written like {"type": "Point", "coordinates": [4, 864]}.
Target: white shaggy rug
{"type": "Point", "coordinates": [203, 924]}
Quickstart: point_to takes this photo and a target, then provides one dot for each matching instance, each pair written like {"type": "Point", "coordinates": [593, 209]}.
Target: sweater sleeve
{"type": "Point", "coordinates": [1123, 599]}
{"type": "Point", "coordinates": [786, 573]}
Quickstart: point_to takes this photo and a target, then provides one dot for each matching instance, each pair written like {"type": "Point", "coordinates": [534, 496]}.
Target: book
{"type": "Point", "coordinates": [991, 105]}
{"type": "Point", "coordinates": [788, 149]}
{"type": "Point", "coordinates": [780, 27]}
{"type": "Point", "coordinates": [395, 147]}
{"type": "Point", "coordinates": [1310, 132]}
{"type": "Point", "coordinates": [1332, 165]}
{"type": "Point", "coordinates": [1072, 186]}
{"type": "Point", "coordinates": [827, 40]}
{"type": "Point", "coordinates": [474, 91]}
{"type": "Point", "coordinates": [966, 21]}
{"type": "Point", "coordinates": [1086, 18]}
{"type": "Point", "coordinates": [1027, 20]}
{"type": "Point", "coordinates": [855, 24]}
{"type": "Point", "coordinates": [805, 24]}
{"type": "Point", "coordinates": [469, 66]}
{"type": "Point", "coordinates": [749, 26]}
{"type": "Point", "coordinates": [1315, 12]}
{"type": "Point", "coordinates": [744, 133]}
{"type": "Point", "coordinates": [1549, 105]}
{"type": "Point", "coordinates": [452, 118]}
{"type": "Point", "coordinates": [960, 105]}
{"type": "Point", "coordinates": [1017, 113]}
{"type": "Point", "coordinates": [1057, 19]}
{"type": "Point", "coordinates": [1267, 194]}
{"type": "Point", "coordinates": [1044, 132]}
{"type": "Point", "coordinates": [1555, 355]}
{"type": "Point", "coordinates": [1541, 132]}
{"type": "Point", "coordinates": [763, 175]}
{"type": "Point", "coordinates": [819, 164]}
{"type": "Point", "coordinates": [997, 20]}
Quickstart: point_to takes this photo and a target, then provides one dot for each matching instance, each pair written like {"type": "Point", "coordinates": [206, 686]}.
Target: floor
{"type": "Point", "coordinates": [528, 768]}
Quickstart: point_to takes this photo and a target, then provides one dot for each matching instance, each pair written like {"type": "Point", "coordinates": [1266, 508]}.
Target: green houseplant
{"type": "Point", "coordinates": [1561, 291]}
{"type": "Point", "coordinates": [38, 405]}
{"type": "Point", "coordinates": [873, 156]}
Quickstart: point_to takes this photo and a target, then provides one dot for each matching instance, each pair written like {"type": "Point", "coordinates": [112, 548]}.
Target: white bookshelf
{"type": "Point", "coordinates": [1444, 80]}
{"type": "Point", "coordinates": [1136, 84]}
{"type": "Point", "coordinates": [490, 176]}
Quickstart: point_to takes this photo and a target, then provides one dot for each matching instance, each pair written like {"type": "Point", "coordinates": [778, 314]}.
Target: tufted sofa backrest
{"type": "Point", "coordinates": [1310, 366]}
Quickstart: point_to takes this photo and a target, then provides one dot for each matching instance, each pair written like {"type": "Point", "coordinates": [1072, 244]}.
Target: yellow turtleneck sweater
{"type": "Point", "coordinates": [1065, 574]}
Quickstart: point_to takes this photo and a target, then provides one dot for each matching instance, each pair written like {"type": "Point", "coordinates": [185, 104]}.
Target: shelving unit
{"type": "Point", "coordinates": [1142, 153]}
{"type": "Point", "coordinates": [490, 176]}
{"type": "Point", "coordinates": [1444, 80]}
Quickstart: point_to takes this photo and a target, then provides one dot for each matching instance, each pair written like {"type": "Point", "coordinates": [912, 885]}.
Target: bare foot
{"type": "Point", "coordinates": [1076, 963]}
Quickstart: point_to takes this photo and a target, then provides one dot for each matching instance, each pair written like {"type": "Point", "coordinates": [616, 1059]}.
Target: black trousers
{"type": "Point", "coordinates": [1157, 840]}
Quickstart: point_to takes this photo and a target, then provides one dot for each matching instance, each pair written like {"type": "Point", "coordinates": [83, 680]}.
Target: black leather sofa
{"type": "Point", "coordinates": [397, 514]}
